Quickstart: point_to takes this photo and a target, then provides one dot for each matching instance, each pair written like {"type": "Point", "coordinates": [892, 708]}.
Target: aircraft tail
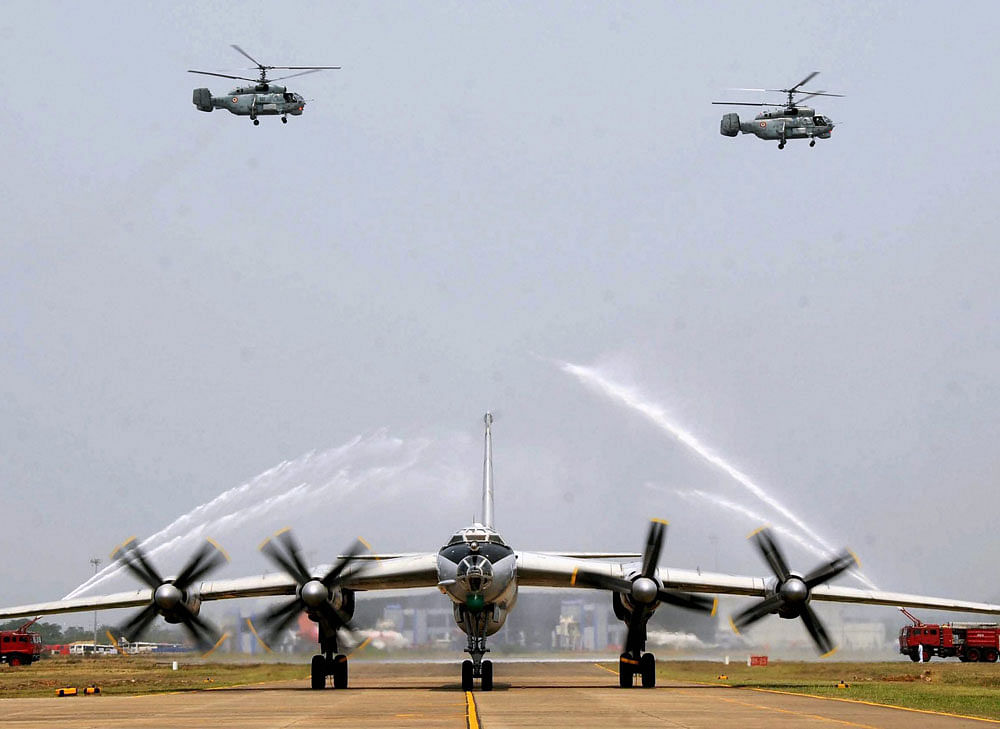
{"type": "Point", "coordinates": [488, 475]}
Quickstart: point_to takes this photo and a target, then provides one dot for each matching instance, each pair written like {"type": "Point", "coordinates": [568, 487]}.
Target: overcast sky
{"type": "Point", "coordinates": [486, 191]}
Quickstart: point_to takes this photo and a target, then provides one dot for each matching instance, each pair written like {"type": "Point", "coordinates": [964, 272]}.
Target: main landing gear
{"type": "Point", "coordinates": [284, 120]}
{"type": "Point", "coordinates": [812, 142]}
{"type": "Point", "coordinates": [475, 628]}
{"type": "Point", "coordinates": [629, 667]}
{"type": "Point", "coordinates": [256, 122]}
{"type": "Point", "coordinates": [329, 663]}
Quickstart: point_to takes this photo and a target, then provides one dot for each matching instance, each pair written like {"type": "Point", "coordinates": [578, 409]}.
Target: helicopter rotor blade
{"type": "Point", "coordinates": [745, 103]}
{"type": "Point", "coordinates": [223, 75]}
{"type": "Point", "coordinates": [303, 68]}
{"type": "Point", "coordinates": [804, 81]}
{"type": "Point", "coordinates": [817, 93]}
{"type": "Point", "coordinates": [293, 75]}
{"type": "Point", "coordinates": [240, 50]}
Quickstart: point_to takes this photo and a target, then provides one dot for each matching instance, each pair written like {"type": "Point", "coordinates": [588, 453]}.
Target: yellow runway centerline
{"type": "Point", "coordinates": [471, 715]}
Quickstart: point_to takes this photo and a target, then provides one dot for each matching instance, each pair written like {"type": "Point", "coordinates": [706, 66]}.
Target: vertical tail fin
{"type": "Point", "coordinates": [488, 475]}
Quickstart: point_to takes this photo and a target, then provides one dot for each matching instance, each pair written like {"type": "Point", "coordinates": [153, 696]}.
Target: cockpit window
{"type": "Point", "coordinates": [467, 536]}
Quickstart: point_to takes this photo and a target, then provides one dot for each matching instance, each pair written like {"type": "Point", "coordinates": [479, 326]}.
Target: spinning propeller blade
{"type": "Point", "coordinates": [315, 595]}
{"type": "Point", "coordinates": [792, 592]}
{"type": "Point", "coordinates": [171, 597]}
{"type": "Point", "coordinates": [643, 591]}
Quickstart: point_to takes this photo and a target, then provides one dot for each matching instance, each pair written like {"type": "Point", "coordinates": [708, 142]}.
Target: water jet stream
{"type": "Point", "coordinates": [632, 398]}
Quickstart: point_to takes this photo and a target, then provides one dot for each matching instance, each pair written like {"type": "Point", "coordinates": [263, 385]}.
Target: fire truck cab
{"type": "Point", "coordinates": [19, 647]}
{"type": "Point", "coordinates": [969, 642]}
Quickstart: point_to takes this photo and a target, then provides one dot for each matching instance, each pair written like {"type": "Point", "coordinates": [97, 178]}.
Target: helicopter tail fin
{"type": "Point", "coordinates": [202, 99]}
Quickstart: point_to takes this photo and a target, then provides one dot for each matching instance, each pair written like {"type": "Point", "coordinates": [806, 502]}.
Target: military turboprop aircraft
{"type": "Point", "coordinates": [480, 574]}
{"type": "Point", "coordinates": [789, 120]}
{"type": "Point", "coordinates": [264, 98]}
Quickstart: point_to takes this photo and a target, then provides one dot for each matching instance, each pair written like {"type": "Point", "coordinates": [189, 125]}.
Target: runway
{"type": "Point", "coordinates": [429, 695]}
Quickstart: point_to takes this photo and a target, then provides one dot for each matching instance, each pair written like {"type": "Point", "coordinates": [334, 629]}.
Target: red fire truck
{"type": "Point", "coordinates": [19, 647]}
{"type": "Point", "coordinates": [968, 641]}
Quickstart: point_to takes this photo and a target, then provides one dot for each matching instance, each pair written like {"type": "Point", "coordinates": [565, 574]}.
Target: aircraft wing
{"type": "Point", "coordinates": [535, 569]}
{"type": "Point", "coordinates": [388, 573]}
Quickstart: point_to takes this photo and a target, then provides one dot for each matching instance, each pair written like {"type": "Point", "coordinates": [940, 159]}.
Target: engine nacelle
{"type": "Point", "coordinates": [202, 98]}
{"type": "Point", "coordinates": [730, 125]}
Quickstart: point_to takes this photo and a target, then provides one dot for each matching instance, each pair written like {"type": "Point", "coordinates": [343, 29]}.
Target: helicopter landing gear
{"type": "Point", "coordinates": [284, 120]}
{"type": "Point", "coordinates": [812, 142]}
{"type": "Point", "coordinates": [781, 145]}
{"type": "Point", "coordinates": [256, 122]}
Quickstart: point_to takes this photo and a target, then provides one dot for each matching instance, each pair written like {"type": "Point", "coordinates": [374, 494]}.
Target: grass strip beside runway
{"type": "Point", "coordinates": [966, 689]}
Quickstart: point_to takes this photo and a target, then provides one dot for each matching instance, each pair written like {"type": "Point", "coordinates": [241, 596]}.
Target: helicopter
{"type": "Point", "coordinates": [263, 98]}
{"type": "Point", "coordinates": [785, 121]}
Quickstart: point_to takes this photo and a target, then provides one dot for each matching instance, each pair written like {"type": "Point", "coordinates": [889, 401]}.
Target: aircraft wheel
{"type": "Point", "coordinates": [647, 667]}
{"type": "Point", "coordinates": [284, 120]}
{"type": "Point", "coordinates": [467, 675]}
{"type": "Point", "coordinates": [339, 672]}
{"type": "Point", "coordinates": [812, 142]}
{"type": "Point", "coordinates": [626, 671]}
{"type": "Point", "coordinates": [781, 145]}
{"type": "Point", "coordinates": [487, 679]}
{"type": "Point", "coordinates": [256, 122]}
{"type": "Point", "coordinates": [318, 672]}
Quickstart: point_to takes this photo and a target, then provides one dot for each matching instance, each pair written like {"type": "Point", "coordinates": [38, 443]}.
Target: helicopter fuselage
{"type": "Point", "coordinates": [780, 125]}
{"type": "Point", "coordinates": [252, 101]}
{"type": "Point", "coordinates": [800, 123]}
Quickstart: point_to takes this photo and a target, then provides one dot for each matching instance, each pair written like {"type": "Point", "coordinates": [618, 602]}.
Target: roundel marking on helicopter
{"type": "Point", "coordinates": [236, 99]}
{"type": "Point", "coordinates": [763, 124]}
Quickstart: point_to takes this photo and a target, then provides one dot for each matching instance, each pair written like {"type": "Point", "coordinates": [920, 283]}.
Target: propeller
{"type": "Point", "coordinates": [643, 591]}
{"type": "Point", "coordinates": [792, 592]}
{"type": "Point", "coordinates": [171, 597]}
{"type": "Point", "coordinates": [314, 595]}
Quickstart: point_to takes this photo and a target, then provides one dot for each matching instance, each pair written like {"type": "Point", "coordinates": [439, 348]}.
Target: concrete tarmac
{"type": "Point", "coordinates": [572, 694]}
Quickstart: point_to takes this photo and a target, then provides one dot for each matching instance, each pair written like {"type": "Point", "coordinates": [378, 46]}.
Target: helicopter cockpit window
{"type": "Point", "coordinates": [289, 97]}
{"type": "Point", "coordinates": [821, 120]}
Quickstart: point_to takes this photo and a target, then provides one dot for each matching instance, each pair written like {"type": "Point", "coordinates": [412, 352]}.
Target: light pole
{"type": "Point", "coordinates": [96, 561]}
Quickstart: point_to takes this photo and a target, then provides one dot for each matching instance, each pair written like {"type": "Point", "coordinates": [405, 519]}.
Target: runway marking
{"type": "Point", "coordinates": [471, 715]}
{"type": "Point", "coordinates": [884, 706]}
{"type": "Point", "coordinates": [818, 717]}
{"type": "Point", "coordinates": [832, 698]}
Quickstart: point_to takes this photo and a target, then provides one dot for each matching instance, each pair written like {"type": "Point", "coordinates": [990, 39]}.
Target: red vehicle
{"type": "Point", "coordinates": [970, 642]}
{"type": "Point", "coordinates": [19, 647]}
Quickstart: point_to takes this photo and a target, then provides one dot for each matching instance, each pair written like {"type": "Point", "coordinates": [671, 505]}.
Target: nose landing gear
{"type": "Point", "coordinates": [812, 142]}
{"type": "Point", "coordinates": [256, 122]}
{"type": "Point", "coordinates": [284, 120]}
{"type": "Point", "coordinates": [475, 627]}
